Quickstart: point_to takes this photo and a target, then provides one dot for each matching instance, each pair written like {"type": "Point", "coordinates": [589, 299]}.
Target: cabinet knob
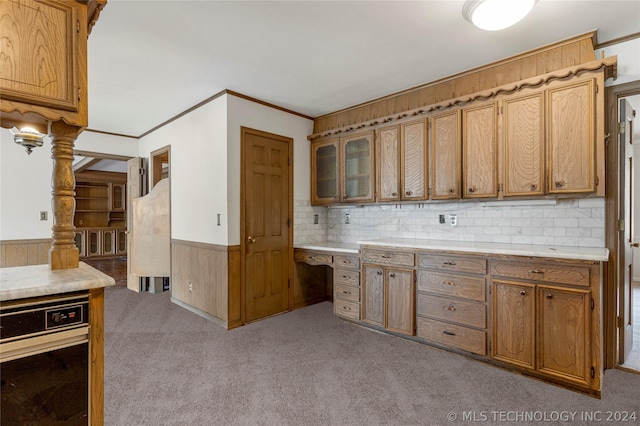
{"type": "Point", "coordinates": [470, 190]}
{"type": "Point", "coordinates": [549, 296]}
{"type": "Point", "coordinates": [558, 184]}
{"type": "Point", "coordinates": [379, 272]}
{"type": "Point", "coordinates": [448, 333]}
{"type": "Point", "coordinates": [534, 187]}
{"type": "Point", "coordinates": [536, 271]}
{"type": "Point", "coordinates": [392, 275]}
{"type": "Point", "coordinates": [523, 293]}
{"type": "Point", "coordinates": [344, 197]}
{"type": "Point", "coordinates": [409, 192]}
{"type": "Point", "coordinates": [452, 191]}
{"type": "Point", "coordinates": [449, 283]}
{"type": "Point", "coordinates": [335, 197]}
{"type": "Point", "coordinates": [394, 194]}
{"type": "Point", "coordinates": [450, 308]}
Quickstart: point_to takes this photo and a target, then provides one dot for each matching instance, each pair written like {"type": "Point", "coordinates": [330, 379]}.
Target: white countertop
{"type": "Point", "coordinates": [600, 254]}
{"type": "Point", "coordinates": [38, 280]}
{"type": "Point", "coordinates": [352, 248]}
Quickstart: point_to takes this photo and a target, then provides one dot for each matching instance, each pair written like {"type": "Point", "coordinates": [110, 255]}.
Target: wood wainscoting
{"type": "Point", "coordinates": [24, 252]}
{"type": "Point", "coordinates": [205, 279]}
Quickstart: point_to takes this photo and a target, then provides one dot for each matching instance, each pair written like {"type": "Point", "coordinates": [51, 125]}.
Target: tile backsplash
{"type": "Point", "coordinates": [562, 222]}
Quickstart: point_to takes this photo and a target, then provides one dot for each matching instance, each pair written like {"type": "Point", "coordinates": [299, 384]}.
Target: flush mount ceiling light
{"type": "Point", "coordinates": [492, 15]}
{"type": "Point", "coordinates": [28, 138]}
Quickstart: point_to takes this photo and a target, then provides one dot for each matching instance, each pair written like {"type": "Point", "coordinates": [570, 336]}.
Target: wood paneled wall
{"type": "Point", "coordinates": [24, 252]}
{"type": "Point", "coordinates": [563, 54]}
{"type": "Point", "coordinates": [206, 277]}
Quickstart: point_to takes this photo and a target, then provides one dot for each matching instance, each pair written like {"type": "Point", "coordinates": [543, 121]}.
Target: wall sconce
{"type": "Point", "coordinates": [28, 138]}
{"type": "Point", "coordinates": [493, 15]}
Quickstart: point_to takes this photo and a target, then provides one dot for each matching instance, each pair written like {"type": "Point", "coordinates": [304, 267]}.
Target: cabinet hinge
{"type": "Point", "coordinates": [141, 171]}
{"type": "Point", "coordinates": [289, 161]}
{"type": "Point", "coordinates": [597, 181]}
{"type": "Point", "coordinates": [500, 187]}
{"type": "Point", "coordinates": [288, 222]}
{"type": "Point", "coordinates": [289, 283]}
{"type": "Point", "coordinates": [621, 128]}
{"type": "Point", "coordinates": [79, 91]}
{"type": "Point", "coordinates": [597, 88]}
{"type": "Point", "coordinates": [593, 373]}
{"type": "Point", "coordinates": [78, 26]}
{"type": "Point", "coordinates": [620, 322]}
{"type": "Point", "coordinates": [489, 347]}
{"type": "Point", "coordinates": [593, 304]}
{"type": "Point", "coordinates": [621, 225]}
{"type": "Point", "coordinates": [500, 111]}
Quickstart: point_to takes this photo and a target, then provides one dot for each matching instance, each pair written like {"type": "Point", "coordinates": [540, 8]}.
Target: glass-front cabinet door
{"type": "Point", "coordinates": [358, 168]}
{"type": "Point", "coordinates": [324, 164]}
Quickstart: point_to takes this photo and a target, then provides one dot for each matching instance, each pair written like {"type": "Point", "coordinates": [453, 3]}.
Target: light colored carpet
{"type": "Point", "coordinates": [167, 366]}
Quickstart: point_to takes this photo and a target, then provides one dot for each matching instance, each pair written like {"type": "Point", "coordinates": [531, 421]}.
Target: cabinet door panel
{"type": "Point", "coordinates": [400, 301]}
{"type": "Point", "coordinates": [523, 145]}
{"type": "Point", "coordinates": [414, 160]}
{"type": "Point", "coordinates": [445, 156]}
{"type": "Point", "coordinates": [480, 152]}
{"type": "Point", "coordinates": [564, 336]}
{"type": "Point", "coordinates": [571, 138]}
{"type": "Point", "coordinates": [373, 296]}
{"type": "Point", "coordinates": [324, 175]}
{"type": "Point", "coordinates": [514, 323]}
{"type": "Point", "coordinates": [388, 160]}
{"type": "Point", "coordinates": [358, 168]}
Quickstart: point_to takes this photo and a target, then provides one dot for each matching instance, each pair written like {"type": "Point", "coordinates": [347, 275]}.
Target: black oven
{"type": "Point", "coordinates": [44, 361]}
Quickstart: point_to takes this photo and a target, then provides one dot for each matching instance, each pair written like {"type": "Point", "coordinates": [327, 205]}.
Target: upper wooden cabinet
{"type": "Point", "coordinates": [388, 163]}
{"type": "Point", "coordinates": [44, 66]}
{"type": "Point", "coordinates": [571, 138]}
{"type": "Point", "coordinates": [480, 151]}
{"type": "Point", "coordinates": [413, 160]}
{"type": "Point", "coordinates": [358, 168]}
{"type": "Point", "coordinates": [324, 172]}
{"type": "Point", "coordinates": [523, 145]}
{"type": "Point", "coordinates": [446, 155]}
{"type": "Point", "coordinates": [343, 170]}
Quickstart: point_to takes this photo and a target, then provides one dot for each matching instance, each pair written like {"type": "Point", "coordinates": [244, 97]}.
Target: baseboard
{"type": "Point", "coordinates": [198, 312]}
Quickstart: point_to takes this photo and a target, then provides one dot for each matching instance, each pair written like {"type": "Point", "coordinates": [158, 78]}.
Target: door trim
{"type": "Point", "coordinates": [612, 268]}
{"type": "Point", "coordinates": [244, 131]}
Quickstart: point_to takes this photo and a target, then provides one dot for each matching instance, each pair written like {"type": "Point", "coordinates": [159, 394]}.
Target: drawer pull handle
{"type": "Point", "coordinates": [450, 308]}
{"type": "Point", "coordinates": [346, 292]}
{"type": "Point", "coordinates": [384, 256]}
{"type": "Point", "coordinates": [549, 296]}
{"type": "Point", "coordinates": [345, 277]}
{"type": "Point", "coordinates": [448, 333]}
{"type": "Point", "coordinates": [449, 283]}
{"type": "Point", "coordinates": [312, 257]}
{"type": "Point", "coordinates": [450, 263]}
{"type": "Point", "coordinates": [392, 275]}
{"type": "Point", "coordinates": [379, 272]}
{"type": "Point", "coordinates": [523, 293]}
{"type": "Point", "coordinates": [536, 271]}
{"type": "Point", "coordinates": [344, 308]}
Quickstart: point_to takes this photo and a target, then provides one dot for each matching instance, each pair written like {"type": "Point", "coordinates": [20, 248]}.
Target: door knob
{"type": "Point", "coordinates": [635, 245]}
{"type": "Point", "coordinates": [251, 240]}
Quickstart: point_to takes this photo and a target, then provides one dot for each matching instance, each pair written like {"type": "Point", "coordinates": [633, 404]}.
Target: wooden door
{"type": "Point", "coordinates": [135, 188]}
{"type": "Point", "coordinates": [564, 339]}
{"type": "Point", "coordinates": [571, 138]}
{"type": "Point", "coordinates": [388, 163]}
{"type": "Point", "coordinates": [479, 143]}
{"type": "Point", "coordinates": [373, 295]}
{"type": "Point", "coordinates": [325, 185]}
{"type": "Point", "coordinates": [523, 124]}
{"type": "Point", "coordinates": [413, 161]}
{"type": "Point", "coordinates": [266, 212]}
{"type": "Point", "coordinates": [625, 297]}
{"type": "Point", "coordinates": [400, 301]}
{"type": "Point", "coordinates": [446, 159]}
{"type": "Point", "coordinates": [358, 168]}
{"type": "Point", "coordinates": [514, 324]}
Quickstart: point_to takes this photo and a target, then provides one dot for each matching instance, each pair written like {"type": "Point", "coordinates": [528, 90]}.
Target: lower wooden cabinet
{"type": "Point", "coordinates": [101, 242]}
{"type": "Point", "coordinates": [389, 298]}
{"type": "Point", "coordinates": [346, 286]}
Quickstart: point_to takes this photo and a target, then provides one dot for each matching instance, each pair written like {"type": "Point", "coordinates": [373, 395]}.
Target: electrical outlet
{"type": "Point", "coordinates": [347, 218]}
{"type": "Point", "coordinates": [190, 287]}
{"type": "Point", "coordinates": [43, 215]}
{"type": "Point", "coordinates": [453, 219]}
{"type": "Point", "coordinates": [315, 219]}
{"type": "Point", "coordinates": [441, 218]}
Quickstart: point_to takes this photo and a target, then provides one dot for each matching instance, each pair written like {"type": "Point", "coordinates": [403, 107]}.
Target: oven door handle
{"type": "Point", "coordinates": [44, 343]}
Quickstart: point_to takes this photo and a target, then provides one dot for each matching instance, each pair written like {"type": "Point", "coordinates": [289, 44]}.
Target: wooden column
{"type": "Point", "coordinates": [63, 253]}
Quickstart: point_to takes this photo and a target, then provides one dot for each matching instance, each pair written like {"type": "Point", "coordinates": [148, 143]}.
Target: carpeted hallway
{"type": "Point", "coordinates": [167, 366]}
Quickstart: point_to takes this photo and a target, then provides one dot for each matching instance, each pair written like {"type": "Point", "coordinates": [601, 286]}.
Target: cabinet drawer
{"type": "Point", "coordinates": [458, 311]}
{"type": "Point", "coordinates": [472, 265]}
{"type": "Point", "coordinates": [344, 276]}
{"type": "Point", "coordinates": [313, 258]}
{"type": "Point", "coordinates": [388, 257]}
{"type": "Point", "coordinates": [347, 292]}
{"type": "Point", "coordinates": [346, 309]}
{"type": "Point", "coordinates": [452, 285]}
{"type": "Point", "coordinates": [351, 262]}
{"type": "Point", "coordinates": [453, 336]}
{"type": "Point", "coordinates": [551, 273]}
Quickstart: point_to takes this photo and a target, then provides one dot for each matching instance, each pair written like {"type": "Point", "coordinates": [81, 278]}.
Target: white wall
{"type": "Point", "coordinates": [242, 112]}
{"type": "Point", "coordinates": [636, 212]}
{"type": "Point", "coordinates": [628, 61]}
{"type": "Point", "coordinates": [25, 181]}
{"type": "Point", "coordinates": [198, 167]}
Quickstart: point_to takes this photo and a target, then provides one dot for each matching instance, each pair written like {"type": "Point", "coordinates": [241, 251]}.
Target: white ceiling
{"type": "Point", "coordinates": [151, 60]}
